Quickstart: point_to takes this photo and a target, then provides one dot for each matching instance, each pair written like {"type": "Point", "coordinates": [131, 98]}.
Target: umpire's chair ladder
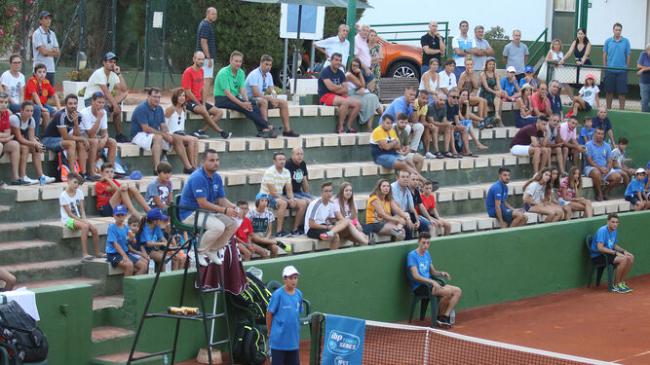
{"type": "Point", "coordinates": [194, 233]}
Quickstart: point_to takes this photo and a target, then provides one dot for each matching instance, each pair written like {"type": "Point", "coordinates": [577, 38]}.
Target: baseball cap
{"type": "Point", "coordinates": [135, 175]}
{"type": "Point", "coordinates": [640, 170]}
{"type": "Point", "coordinates": [44, 14]}
{"type": "Point", "coordinates": [511, 69]}
{"type": "Point", "coordinates": [590, 76]}
{"type": "Point", "coordinates": [289, 270]}
{"type": "Point", "coordinates": [156, 214]}
{"type": "Point", "coordinates": [529, 69]}
{"type": "Point", "coordinates": [109, 56]}
{"type": "Point", "coordinates": [120, 210]}
{"type": "Point", "coordinates": [261, 196]}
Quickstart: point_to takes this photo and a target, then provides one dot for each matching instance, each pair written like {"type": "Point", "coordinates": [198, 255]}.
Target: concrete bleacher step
{"type": "Point", "coordinates": [121, 358]}
{"type": "Point", "coordinates": [108, 340]}
{"type": "Point", "coordinates": [18, 231]}
{"type": "Point", "coordinates": [30, 251]}
{"type": "Point", "coordinates": [37, 271]}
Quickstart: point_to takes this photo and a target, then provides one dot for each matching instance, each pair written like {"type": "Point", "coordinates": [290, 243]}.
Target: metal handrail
{"type": "Point", "coordinates": [534, 57]}
{"type": "Point", "coordinates": [579, 68]}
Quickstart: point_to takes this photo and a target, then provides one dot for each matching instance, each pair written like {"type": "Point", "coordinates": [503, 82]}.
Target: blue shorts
{"type": "Point", "coordinates": [388, 160]}
{"type": "Point", "coordinates": [373, 227]}
{"type": "Point", "coordinates": [425, 224]}
{"type": "Point", "coordinates": [368, 77]}
{"type": "Point", "coordinates": [273, 202]}
{"type": "Point", "coordinates": [52, 144]}
{"type": "Point", "coordinates": [633, 199]}
{"type": "Point", "coordinates": [467, 124]}
{"type": "Point", "coordinates": [303, 195]}
{"type": "Point", "coordinates": [616, 82]}
{"type": "Point", "coordinates": [115, 258]}
{"type": "Point", "coordinates": [588, 169]}
{"type": "Point", "coordinates": [506, 213]}
{"type": "Point", "coordinates": [106, 211]}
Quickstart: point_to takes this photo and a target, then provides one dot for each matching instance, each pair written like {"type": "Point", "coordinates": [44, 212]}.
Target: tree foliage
{"type": "Point", "coordinates": [496, 33]}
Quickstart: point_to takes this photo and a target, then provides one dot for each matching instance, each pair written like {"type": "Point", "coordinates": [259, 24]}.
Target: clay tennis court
{"type": "Point", "coordinates": [585, 322]}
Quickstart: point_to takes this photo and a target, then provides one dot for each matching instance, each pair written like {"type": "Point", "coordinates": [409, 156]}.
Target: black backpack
{"type": "Point", "coordinates": [249, 347]}
{"type": "Point", "coordinates": [253, 300]}
{"type": "Point", "coordinates": [20, 336]}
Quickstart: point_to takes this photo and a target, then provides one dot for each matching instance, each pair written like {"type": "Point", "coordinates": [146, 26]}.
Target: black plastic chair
{"type": "Point", "coordinates": [4, 359]}
{"type": "Point", "coordinates": [599, 268]}
{"type": "Point", "coordinates": [424, 301]}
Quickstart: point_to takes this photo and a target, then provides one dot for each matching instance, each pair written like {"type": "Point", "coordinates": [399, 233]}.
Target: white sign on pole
{"type": "Point", "coordinates": [312, 21]}
{"type": "Point", "coordinates": [157, 19]}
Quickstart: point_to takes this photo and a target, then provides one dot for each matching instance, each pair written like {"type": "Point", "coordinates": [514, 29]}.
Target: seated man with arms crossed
{"type": "Point", "coordinates": [333, 91]}
{"type": "Point", "coordinates": [421, 272]}
{"type": "Point", "coordinates": [604, 246]}
{"type": "Point", "coordinates": [497, 206]}
{"type": "Point", "coordinates": [384, 146]}
{"type": "Point", "coordinates": [259, 86]}
{"type": "Point", "coordinates": [529, 142]}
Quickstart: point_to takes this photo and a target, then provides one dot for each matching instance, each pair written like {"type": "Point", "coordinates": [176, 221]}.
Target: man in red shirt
{"type": "Point", "coordinates": [111, 194]}
{"type": "Point", "coordinates": [38, 90]}
{"type": "Point", "coordinates": [192, 82]}
{"type": "Point", "coordinates": [8, 145]}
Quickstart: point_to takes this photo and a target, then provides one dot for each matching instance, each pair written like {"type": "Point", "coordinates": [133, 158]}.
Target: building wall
{"type": "Point", "coordinates": [631, 13]}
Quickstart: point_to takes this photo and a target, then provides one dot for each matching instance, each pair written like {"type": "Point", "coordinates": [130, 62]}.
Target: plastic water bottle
{"type": "Point", "coordinates": [152, 266]}
{"type": "Point", "coordinates": [452, 317]}
{"type": "Point", "coordinates": [166, 359]}
{"type": "Point", "coordinates": [41, 180]}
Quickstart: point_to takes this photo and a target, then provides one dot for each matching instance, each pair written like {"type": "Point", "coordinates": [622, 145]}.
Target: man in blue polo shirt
{"type": "Point", "coordinates": [599, 165]}
{"type": "Point", "coordinates": [497, 206]}
{"type": "Point", "coordinates": [421, 273]}
{"type": "Point", "coordinates": [148, 128]}
{"type": "Point", "coordinates": [604, 246]}
{"type": "Point", "coordinates": [403, 104]}
{"type": "Point", "coordinates": [616, 53]}
{"type": "Point", "coordinates": [204, 190]}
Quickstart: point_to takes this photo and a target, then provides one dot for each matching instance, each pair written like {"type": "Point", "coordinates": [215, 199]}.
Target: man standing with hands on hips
{"type": "Point", "coordinates": [283, 320]}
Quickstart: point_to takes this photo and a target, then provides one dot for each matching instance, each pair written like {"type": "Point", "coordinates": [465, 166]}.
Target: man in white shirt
{"type": "Point", "coordinates": [482, 48]}
{"type": "Point", "coordinates": [324, 222]}
{"type": "Point", "coordinates": [259, 87]}
{"type": "Point", "coordinates": [275, 180]}
{"type": "Point", "coordinates": [362, 52]}
{"type": "Point", "coordinates": [447, 77]}
{"type": "Point", "coordinates": [45, 46]}
{"type": "Point", "coordinates": [462, 45]}
{"type": "Point", "coordinates": [94, 126]}
{"type": "Point", "coordinates": [12, 82]}
{"type": "Point", "coordinates": [337, 44]}
{"type": "Point", "coordinates": [104, 80]}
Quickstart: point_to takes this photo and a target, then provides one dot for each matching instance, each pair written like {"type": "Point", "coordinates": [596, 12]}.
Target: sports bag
{"type": "Point", "coordinates": [250, 346]}
{"type": "Point", "coordinates": [20, 335]}
{"type": "Point", "coordinates": [254, 299]}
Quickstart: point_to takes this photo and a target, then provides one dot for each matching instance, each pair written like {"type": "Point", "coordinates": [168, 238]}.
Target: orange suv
{"type": "Point", "coordinates": [400, 60]}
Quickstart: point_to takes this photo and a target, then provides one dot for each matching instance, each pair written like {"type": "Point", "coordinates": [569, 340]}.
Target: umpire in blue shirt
{"type": "Point", "coordinates": [204, 190]}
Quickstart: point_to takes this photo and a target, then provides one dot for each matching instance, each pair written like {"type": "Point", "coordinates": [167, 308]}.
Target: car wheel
{"type": "Point", "coordinates": [404, 70]}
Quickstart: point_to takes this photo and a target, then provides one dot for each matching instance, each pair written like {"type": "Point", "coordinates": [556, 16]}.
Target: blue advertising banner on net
{"type": "Point", "coordinates": [344, 338]}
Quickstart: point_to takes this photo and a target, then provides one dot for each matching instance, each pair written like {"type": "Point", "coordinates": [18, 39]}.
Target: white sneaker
{"type": "Point", "coordinates": [429, 156]}
{"type": "Point", "coordinates": [214, 258]}
{"type": "Point", "coordinates": [28, 181]}
{"type": "Point", "coordinates": [48, 179]}
{"type": "Point", "coordinates": [202, 261]}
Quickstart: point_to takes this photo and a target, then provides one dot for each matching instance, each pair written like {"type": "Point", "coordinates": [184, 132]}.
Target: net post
{"type": "Point", "coordinates": [316, 333]}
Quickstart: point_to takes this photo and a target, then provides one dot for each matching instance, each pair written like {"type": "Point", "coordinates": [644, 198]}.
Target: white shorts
{"type": "Point", "coordinates": [208, 72]}
{"type": "Point", "coordinates": [520, 150]}
{"type": "Point", "coordinates": [145, 140]}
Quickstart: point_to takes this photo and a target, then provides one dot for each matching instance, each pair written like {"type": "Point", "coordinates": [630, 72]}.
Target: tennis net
{"type": "Point", "coordinates": [391, 344]}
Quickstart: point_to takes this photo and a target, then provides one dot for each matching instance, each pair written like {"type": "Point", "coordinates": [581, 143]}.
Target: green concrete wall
{"type": "Point", "coordinates": [368, 282]}
{"type": "Point", "coordinates": [66, 320]}
{"type": "Point", "coordinates": [635, 127]}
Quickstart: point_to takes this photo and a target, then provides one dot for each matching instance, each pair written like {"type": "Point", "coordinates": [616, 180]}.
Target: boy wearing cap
{"type": "Point", "coordinates": [635, 191]}
{"type": "Point", "coordinates": [151, 236]}
{"type": "Point", "coordinates": [261, 217]}
{"type": "Point", "coordinates": [283, 320]}
{"type": "Point", "coordinates": [117, 247]}
{"type": "Point", "coordinates": [45, 45]}
{"type": "Point", "coordinates": [105, 79]}
{"type": "Point", "coordinates": [529, 78]}
{"type": "Point", "coordinates": [510, 86]}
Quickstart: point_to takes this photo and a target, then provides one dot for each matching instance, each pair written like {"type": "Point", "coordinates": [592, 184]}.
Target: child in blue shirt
{"type": "Point", "coordinates": [174, 241]}
{"type": "Point", "coordinates": [151, 237]}
{"type": "Point", "coordinates": [635, 191]}
{"type": "Point", "coordinates": [283, 320]}
{"type": "Point", "coordinates": [117, 247]}
{"type": "Point", "coordinates": [587, 132]}
{"type": "Point", "coordinates": [134, 245]}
